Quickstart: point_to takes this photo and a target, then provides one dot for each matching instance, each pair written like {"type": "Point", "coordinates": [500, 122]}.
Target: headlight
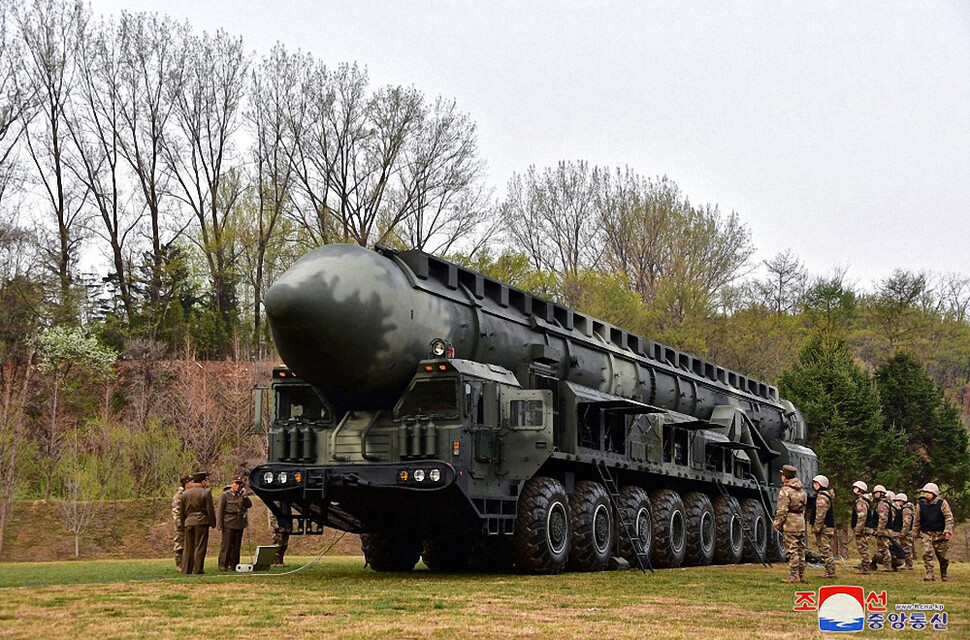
{"type": "Point", "coordinates": [419, 475]}
{"type": "Point", "coordinates": [438, 348]}
{"type": "Point", "coordinates": [282, 477]}
{"type": "Point", "coordinates": [268, 477]}
{"type": "Point", "coordinates": [434, 475]}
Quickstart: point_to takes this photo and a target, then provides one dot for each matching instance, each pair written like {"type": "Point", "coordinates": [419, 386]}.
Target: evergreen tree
{"type": "Point", "coordinates": [840, 403]}
{"type": "Point", "coordinates": [933, 431]}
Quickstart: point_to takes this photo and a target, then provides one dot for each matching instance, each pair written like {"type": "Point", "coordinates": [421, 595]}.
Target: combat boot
{"type": "Point", "coordinates": [929, 578]}
{"type": "Point", "coordinates": [829, 574]}
{"type": "Point", "coordinates": [793, 578]}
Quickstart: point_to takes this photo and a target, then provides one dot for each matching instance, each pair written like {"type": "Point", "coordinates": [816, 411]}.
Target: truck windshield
{"type": "Point", "coordinates": [438, 396]}
{"type": "Point", "coordinates": [298, 402]}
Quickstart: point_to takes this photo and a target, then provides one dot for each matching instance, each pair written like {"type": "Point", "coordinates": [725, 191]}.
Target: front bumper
{"type": "Point", "coordinates": [358, 498]}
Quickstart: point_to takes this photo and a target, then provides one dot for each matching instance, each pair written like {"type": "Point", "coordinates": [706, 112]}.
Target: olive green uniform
{"type": "Point", "coordinates": [231, 518]}
{"type": "Point", "coordinates": [790, 520]}
{"type": "Point", "coordinates": [198, 516]}
{"type": "Point", "coordinates": [933, 535]}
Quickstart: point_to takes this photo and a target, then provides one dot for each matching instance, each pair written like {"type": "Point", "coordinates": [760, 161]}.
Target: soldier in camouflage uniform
{"type": "Point", "coordinates": [861, 523]}
{"type": "Point", "coordinates": [821, 518]}
{"type": "Point", "coordinates": [906, 533]}
{"type": "Point", "coordinates": [884, 513]}
{"type": "Point", "coordinates": [281, 538]}
{"type": "Point", "coordinates": [933, 521]}
{"type": "Point", "coordinates": [790, 520]}
{"type": "Point", "coordinates": [178, 535]}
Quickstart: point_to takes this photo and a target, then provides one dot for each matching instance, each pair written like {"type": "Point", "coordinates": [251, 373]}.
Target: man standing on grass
{"type": "Point", "coordinates": [884, 513]}
{"type": "Point", "coordinates": [821, 517]}
{"type": "Point", "coordinates": [198, 516]}
{"type": "Point", "coordinates": [231, 520]}
{"type": "Point", "coordinates": [178, 537]}
{"type": "Point", "coordinates": [906, 533]}
{"type": "Point", "coordinates": [933, 523]}
{"type": "Point", "coordinates": [861, 520]}
{"type": "Point", "coordinates": [281, 538]}
{"type": "Point", "coordinates": [790, 520]}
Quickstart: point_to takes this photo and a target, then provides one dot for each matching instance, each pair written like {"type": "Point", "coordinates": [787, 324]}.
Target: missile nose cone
{"type": "Point", "coordinates": [340, 317]}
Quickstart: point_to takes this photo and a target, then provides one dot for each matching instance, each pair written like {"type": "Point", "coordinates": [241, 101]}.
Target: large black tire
{"type": "Point", "coordinates": [669, 528]}
{"type": "Point", "coordinates": [591, 517]}
{"type": "Point", "coordinates": [755, 544]}
{"type": "Point", "coordinates": [701, 531]}
{"type": "Point", "coordinates": [729, 539]}
{"type": "Point", "coordinates": [635, 504]}
{"type": "Point", "coordinates": [447, 553]}
{"type": "Point", "coordinates": [776, 546]}
{"type": "Point", "coordinates": [385, 552]}
{"type": "Point", "coordinates": [542, 534]}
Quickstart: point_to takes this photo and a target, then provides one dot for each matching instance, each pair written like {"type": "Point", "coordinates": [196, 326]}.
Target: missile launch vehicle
{"type": "Point", "coordinates": [447, 416]}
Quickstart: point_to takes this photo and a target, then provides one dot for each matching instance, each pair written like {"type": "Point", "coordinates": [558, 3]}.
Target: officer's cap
{"type": "Point", "coordinates": [184, 479]}
{"type": "Point", "coordinates": [199, 476]}
{"type": "Point", "coordinates": [789, 471]}
{"type": "Point", "coordinates": [932, 488]}
{"type": "Point", "coordinates": [239, 479]}
{"type": "Point", "coordinates": [822, 481]}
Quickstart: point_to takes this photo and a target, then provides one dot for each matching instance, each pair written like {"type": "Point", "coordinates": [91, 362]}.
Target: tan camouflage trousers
{"type": "Point", "coordinates": [178, 540]}
{"type": "Point", "coordinates": [823, 540]}
{"type": "Point", "coordinates": [795, 545]}
{"type": "Point", "coordinates": [934, 544]}
{"type": "Point", "coordinates": [883, 555]}
{"type": "Point", "coordinates": [907, 542]}
{"type": "Point", "coordinates": [862, 546]}
{"type": "Point", "coordinates": [282, 540]}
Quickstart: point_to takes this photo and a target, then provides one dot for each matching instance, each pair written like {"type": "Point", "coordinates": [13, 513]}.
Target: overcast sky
{"type": "Point", "coordinates": [839, 130]}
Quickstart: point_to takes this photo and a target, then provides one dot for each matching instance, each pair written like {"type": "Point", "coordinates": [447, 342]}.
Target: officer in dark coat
{"type": "Point", "coordinates": [198, 516]}
{"type": "Point", "coordinates": [232, 520]}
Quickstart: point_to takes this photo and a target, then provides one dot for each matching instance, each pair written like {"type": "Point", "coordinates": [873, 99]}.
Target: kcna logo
{"type": "Point", "coordinates": [841, 608]}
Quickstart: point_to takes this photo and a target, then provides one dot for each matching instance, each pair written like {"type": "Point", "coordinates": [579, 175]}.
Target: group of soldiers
{"type": "Point", "coordinates": [194, 513]}
{"type": "Point", "coordinates": [891, 518]}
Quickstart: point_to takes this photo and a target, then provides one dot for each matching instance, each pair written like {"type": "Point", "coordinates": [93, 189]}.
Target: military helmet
{"type": "Point", "coordinates": [932, 488]}
{"type": "Point", "coordinates": [890, 496]}
{"type": "Point", "coordinates": [901, 497]}
{"type": "Point", "coordinates": [860, 485]}
{"type": "Point", "coordinates": [822, 481]}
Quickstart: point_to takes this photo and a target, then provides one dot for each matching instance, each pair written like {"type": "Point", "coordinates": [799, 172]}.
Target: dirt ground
{"type": "Point", "coordinates": [37, 532]}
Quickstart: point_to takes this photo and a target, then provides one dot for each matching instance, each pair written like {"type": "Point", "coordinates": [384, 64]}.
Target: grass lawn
{"type": "Point", "coordinates": [338, 598]}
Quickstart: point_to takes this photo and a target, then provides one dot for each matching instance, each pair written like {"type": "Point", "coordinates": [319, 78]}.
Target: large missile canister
{"type": "Point", "coordinates": [355, 322]}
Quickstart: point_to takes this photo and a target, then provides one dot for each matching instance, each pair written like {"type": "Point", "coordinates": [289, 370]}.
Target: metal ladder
{"type": "Point", "coordinates": [628, 528]}
{"type": "Point", "coordinates": [763, 555]}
